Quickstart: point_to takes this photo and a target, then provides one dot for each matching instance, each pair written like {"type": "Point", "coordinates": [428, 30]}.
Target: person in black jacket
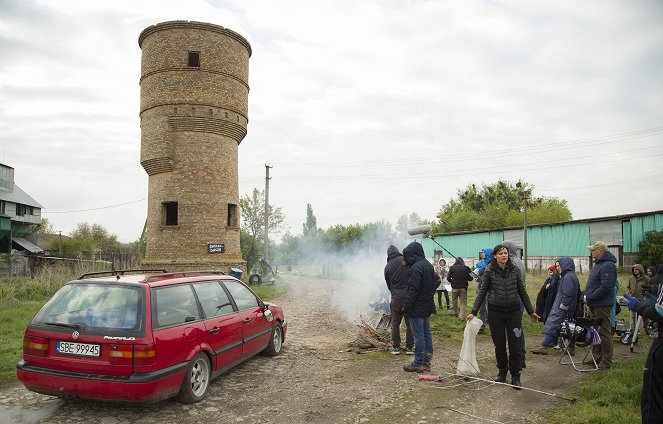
{"type": "Point", "coordinates": [459, 276]}
{"type": "Point", "coordinates": [395, 275]}
{"type": "Point", "coordinates": [503, 289]}
{"type": "Point", "coordinates": [651, 399]}
{"type": "Point", "coordinates": [419, 305]}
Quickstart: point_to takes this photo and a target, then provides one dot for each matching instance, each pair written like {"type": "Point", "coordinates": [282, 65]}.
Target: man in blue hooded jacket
{"type": "Point", "coordinates": [419, 305]}
{"type": "Point", "coordinates": [600, 298]}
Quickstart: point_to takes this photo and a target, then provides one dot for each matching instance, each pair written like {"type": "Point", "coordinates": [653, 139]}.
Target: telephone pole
{"type": "Point", "coordinates": [267, 178]}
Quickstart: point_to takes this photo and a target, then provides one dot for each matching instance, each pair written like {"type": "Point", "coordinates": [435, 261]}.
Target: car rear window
{"type": "Point", "coordinates": [93, 305]}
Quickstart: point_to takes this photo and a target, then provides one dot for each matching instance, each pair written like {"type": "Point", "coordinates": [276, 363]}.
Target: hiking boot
{"type": "Point", "coordinates": [414, 367]}
{"type": "Point", "coordinates": [448, 308]}
{"type": "Point", "coordinates": [501, 376]}
{"type": "Point", "coordinates": [396, 351]}
{"type": "Point", "coordinates": [541, 350]}
{"type": "Point", "coordinates": [409, 351]}
{"type": "Point", "coordinates": [426, 366]}
{"type": "Point", "coordinates": [515, 381]}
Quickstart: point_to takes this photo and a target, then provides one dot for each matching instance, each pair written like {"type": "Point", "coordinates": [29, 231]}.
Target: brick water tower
{"type": "Point", "coordinates": [193, 115]}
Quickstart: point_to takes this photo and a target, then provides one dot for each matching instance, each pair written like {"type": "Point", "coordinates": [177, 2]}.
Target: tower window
{"type": "Point", "coordinates": [232, 215]}
{"type": "Point", "coordinates": [194, 59]}
{"type": "Point", "coordinates": [169, 213]}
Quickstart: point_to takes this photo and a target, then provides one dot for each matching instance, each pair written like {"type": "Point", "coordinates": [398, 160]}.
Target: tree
{"type": "Point", "coordinates": [252, 231]}
{"type": "Point", "coordinates": [44, 227]}
{"type": "Point", "coordinates": [651, 249]}
{"type": "Point", "coordinates": [310, 227]}
{"type": "Point", "coordinates": [498, 205]}
{"type": "Point", "coordinates": [87, 240]}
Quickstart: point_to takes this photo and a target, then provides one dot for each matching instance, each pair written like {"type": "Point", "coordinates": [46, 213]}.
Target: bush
{"type": "Point", "coordinates": [651, 249]}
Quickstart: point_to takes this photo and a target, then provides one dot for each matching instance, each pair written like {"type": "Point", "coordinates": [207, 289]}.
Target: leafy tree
{"type": "Point", "coordinates": [651, 249]}
{"type": "Point", "coordinates": [252, 231]}
{"type": "Point", "coordinates": [44, 227]}
{"type": "Point", "coordinates": [310, 229]}
{"type": "Point", "coordinates": [86, 240]}
{"type": "Point", "coordinates": [498, 205]}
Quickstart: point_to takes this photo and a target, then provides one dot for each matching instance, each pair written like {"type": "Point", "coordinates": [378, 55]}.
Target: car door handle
{"type": "Point", "coordinates": [214, 330]}
{"type": "Point", "coordinates": [246, 321]}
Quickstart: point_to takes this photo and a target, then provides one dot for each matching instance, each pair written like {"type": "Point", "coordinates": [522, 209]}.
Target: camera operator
{"type": "Point", "coordinates": [651, 400]}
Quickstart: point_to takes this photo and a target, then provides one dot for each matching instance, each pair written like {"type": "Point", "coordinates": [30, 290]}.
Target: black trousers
{"type": "Point", "coordinates": [439, 297]}
{"type": "Point", "coordinates": [506, 328]}
{"type": "Point", "coordinates": [651, 400]}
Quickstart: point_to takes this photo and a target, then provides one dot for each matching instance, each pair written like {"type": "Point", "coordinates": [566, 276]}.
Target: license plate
{"type": "Point", "coordinates": [82, 349]}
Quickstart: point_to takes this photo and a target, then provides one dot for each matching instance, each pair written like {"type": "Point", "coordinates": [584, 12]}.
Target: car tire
{"type": "Point", "coordinates": [625, 339]}
{"type": "Point", "coordinates": [255, 279]}
{"type": "Point", "coordinates": [275, 345]}
{"type": "Point", "coordinates": [196, 380]}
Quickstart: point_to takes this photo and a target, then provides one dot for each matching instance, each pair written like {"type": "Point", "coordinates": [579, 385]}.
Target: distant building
{"type": "Point", "coordinates": [547, 242]}
{"type": "Point", "coordinates": [18, 212]}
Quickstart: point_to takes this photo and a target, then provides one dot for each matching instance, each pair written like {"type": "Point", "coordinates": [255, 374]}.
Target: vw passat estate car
{"type": "Point", "coordinates": [142, 336]}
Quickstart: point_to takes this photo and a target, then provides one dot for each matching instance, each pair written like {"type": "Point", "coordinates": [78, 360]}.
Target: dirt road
{"type": "Point", "coordinates": [317, 380]}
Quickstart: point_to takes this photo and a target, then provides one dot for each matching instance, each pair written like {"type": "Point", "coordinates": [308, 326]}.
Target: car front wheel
{"type": "Point", "coordinates": [276, 342]}
{"type": "Point", "coordinates": [196, 380]}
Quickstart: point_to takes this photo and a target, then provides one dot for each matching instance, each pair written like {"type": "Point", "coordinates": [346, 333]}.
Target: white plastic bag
{"type": "Point", "coordinates": [467, 363]}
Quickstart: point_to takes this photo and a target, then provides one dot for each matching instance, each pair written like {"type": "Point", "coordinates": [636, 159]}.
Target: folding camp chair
{"type": "Point", "coordinates": [575, 335]}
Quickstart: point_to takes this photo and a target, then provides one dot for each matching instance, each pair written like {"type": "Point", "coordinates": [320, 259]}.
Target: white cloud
{"type": "Point", "coordinates": [367, 109]}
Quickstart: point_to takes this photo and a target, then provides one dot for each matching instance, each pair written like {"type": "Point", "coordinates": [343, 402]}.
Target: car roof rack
{"type": "Point", "coordinates": [182, 274]}
{"type": "Point", "coordinates": [118, 272]}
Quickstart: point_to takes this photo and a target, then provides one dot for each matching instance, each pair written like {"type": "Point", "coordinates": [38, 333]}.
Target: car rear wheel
{"type": "Point", "coordinates": [276, 341]}
{"type": "Point", "coordinates": [196, 380]}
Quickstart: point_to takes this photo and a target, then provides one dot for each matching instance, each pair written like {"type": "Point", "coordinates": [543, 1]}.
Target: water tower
{"type": "Point", "coordinates": [193, 115]}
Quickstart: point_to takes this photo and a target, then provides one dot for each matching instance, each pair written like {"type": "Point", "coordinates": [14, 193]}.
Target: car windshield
{"type": "Point", "coordinates": [93, 305]}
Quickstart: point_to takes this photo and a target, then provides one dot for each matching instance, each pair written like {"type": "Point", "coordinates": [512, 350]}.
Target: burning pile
{"type": "Point", "coordinates": [369, 338]}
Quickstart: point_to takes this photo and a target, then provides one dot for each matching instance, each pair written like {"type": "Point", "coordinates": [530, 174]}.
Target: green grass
{"type": "Point", "coordinates": [15, 316]}
{"type": "Point", "coordinates": [605, 397]}
{"type": "Point", "coordinates": [270, 291]}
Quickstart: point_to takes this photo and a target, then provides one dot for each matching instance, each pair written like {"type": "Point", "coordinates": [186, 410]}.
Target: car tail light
{"type": "Point", "coordinates": [121, 354]}
{"type": "Point", "coordinates": [145, 354]}
{"type": "Point", "coordinates": [37, 346]}
{"type": "Point", "coordinates": [132, 354]}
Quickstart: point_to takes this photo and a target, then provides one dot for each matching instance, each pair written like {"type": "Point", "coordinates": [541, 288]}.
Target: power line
{"type": "Point", "coordinates": [515, 151]}
{"type": "Point", "coordinates": [99, 208]}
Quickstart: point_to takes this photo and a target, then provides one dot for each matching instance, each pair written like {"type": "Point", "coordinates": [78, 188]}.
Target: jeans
{"type": "Point", "coordinates": [423, 340]}
{"type": "Point", "coordinates": [549, 340]}
{"type": "Point", "coordinates": [396, 306]}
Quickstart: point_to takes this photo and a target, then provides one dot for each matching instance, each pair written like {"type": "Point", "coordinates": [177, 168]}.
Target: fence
{"type": "Point", "coordinates": [29, 264]}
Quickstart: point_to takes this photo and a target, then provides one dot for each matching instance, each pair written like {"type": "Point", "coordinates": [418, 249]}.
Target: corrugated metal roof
{"type": "Point", "coordinates": [19, 196]}
{"type": "Point", "coordinates": [27, 245]}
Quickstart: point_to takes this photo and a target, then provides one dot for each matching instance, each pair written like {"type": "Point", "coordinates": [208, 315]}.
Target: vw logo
{"type": "Point", "coordinates": [75, 334]}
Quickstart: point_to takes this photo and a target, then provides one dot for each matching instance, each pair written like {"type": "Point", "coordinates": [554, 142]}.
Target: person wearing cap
{"type": "Point", "coordinates": [600, 298]}
{"type": "Point", "coordinates": [546, 295]}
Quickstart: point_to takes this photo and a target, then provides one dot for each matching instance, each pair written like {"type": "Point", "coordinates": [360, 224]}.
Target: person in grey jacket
{"type": "Point", "coordinates": [395, 275]}
{"type": "Point", "coordinates": [600, 298]}
{"type": "Point", "coordinates": [504, 290]}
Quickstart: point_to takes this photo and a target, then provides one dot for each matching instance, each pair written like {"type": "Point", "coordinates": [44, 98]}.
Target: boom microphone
{"type": "Point", "coordinates": [420, 230]}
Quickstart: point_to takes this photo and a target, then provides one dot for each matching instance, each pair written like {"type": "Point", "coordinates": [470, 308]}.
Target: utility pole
{"type": "Point", "coordinates": [525, 232]}
{"type": "Point", "coordinates": [267, 178]}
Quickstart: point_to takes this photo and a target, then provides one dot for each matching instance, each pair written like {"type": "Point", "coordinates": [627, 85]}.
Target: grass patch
{"type": "Point", "coordinates": [15, 316]}
{"type": "Point", "coordinates": [605, 397]}
{"type": "Point", "coordinates": [270, 291]}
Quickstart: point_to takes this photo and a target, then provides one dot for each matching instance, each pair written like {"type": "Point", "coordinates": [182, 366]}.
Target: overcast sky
{"type": "Point", "coordinates": [366, 109]}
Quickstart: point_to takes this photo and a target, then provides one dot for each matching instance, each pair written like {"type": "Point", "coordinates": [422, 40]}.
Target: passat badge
{"type": "Point", "coordinates": [75, 335]}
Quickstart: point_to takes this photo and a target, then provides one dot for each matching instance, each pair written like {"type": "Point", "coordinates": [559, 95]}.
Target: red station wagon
{"type": "Point", "coordinates": [141, 336]}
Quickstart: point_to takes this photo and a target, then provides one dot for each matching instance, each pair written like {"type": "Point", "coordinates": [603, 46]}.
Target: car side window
{"type": "Point", "coordinates": [244, 298]}
{"type": "Point", "coordinates": [174, 305]}
{"type": "Point", "coordinates": [213, 298]}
